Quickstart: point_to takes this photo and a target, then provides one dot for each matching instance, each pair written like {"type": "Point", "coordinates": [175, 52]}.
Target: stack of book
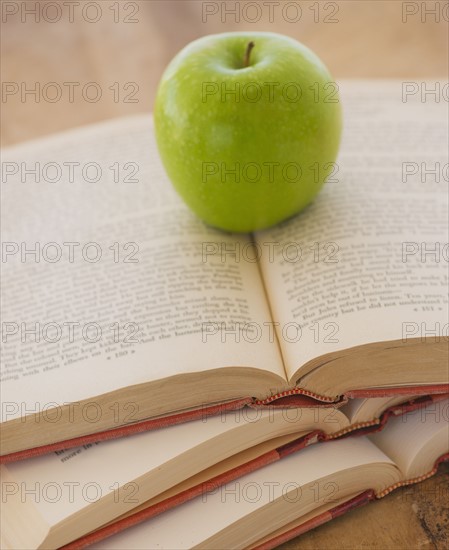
{"type": "Point", "coordinates": [166, 385]}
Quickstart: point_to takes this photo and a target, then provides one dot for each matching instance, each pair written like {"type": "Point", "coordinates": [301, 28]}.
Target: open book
{"type": "Point", "coordinates": [304, 490]}
{"type": "Point", "coordinates": [123, 312]}
{"type": "Point", "coordinates": [86, 493]}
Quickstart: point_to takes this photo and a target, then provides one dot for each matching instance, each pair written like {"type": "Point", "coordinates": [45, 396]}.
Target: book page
{"type": "Point", "coordinates": [78, 490]}
{"type": "Point", "coordinates": [370, 408]}
{"type": "Point", "coordinates": [113, 470]}
{"type": "Point", "coordinates": [390, 452]}
{"type": "Point", "coordinates": [367, 261]}
{"type": "Point", "coordinates": [95, 471]}
{"type": "Point", "coordinates": [285, 480]}
{"type": "Point", "coordinates": [417, 439]}
{"type": "Point", "coordinates": [106, 279]}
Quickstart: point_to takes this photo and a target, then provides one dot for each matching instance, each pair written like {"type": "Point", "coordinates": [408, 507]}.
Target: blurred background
{"type": "Point", "coordinates": [69, 63]}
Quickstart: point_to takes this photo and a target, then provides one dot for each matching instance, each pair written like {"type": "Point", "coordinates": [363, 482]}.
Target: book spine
{"type": "Point", "coordinates": [299, 397]}
{"type": "Point", "coordinates": [377, 424]}
{"type": "Point", "coordinates": [203, 412]}
{"type": "Point", "coordinates": [306, 395]}
{"type": "Point", "coordinates": [385, 492]}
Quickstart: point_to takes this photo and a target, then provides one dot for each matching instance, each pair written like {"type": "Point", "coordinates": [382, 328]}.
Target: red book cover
{"type": "Point", "coordinates": [267, 458]}
{"type": "Point", "coordinates": [356, 502]}
{"type": "Point", "coordinates": [291, 398]}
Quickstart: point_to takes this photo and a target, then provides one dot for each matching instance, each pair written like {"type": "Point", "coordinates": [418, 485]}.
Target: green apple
{"type": "Point", "coordinates": [248, 127]}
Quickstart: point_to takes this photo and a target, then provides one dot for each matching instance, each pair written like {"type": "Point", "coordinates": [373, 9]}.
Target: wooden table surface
{"type": "Point", "coordinates": [123, 48]}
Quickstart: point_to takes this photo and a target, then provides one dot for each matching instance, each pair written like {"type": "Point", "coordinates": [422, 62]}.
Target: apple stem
{"type": "Point", "coordinates": [248, 53]}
